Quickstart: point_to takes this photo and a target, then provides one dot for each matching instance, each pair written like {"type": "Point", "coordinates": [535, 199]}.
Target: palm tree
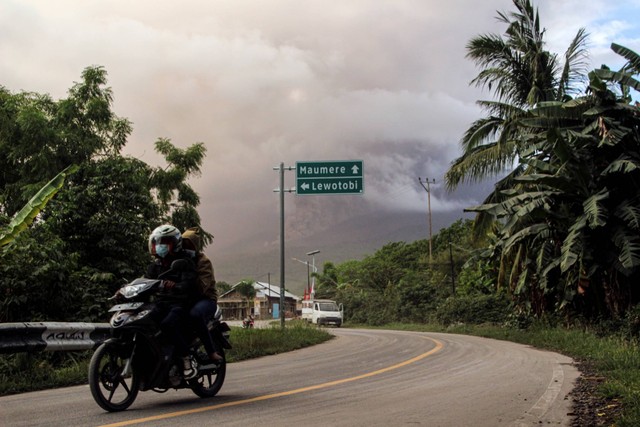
{"type": "Point", "coordinates": [521, 73]}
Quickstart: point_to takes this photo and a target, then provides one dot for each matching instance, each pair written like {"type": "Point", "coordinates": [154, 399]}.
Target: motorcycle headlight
{"type": "Point", "coordinates": [129, 291]}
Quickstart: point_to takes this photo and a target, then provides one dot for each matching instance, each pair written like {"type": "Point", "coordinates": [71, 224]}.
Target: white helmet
{"type": "Point", "coordinates": [164, 240]}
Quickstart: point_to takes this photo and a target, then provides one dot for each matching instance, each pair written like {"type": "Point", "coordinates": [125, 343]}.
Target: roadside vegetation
{"type": "Point", "coordinates": [552, 258]}
{"type": "Point", "coordinates": [25, 372]}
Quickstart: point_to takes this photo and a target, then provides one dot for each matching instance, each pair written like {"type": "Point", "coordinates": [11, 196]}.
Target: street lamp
{"type": "Point", "coordinates": [308, 273]}
{"type": "Point", "coordinates": [308, 288]}
{"type": "Point", "coordinates": [312, 254]}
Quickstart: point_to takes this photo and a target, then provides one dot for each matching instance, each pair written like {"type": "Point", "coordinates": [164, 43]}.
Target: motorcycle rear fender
{"type": "Point", "coordinates": [226, 344]}
{"type": "Point", "coordinates": [221, 335]}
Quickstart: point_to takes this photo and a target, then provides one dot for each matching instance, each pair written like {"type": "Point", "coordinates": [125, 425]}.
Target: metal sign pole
{"type": "Point", "coordinates": [282, 245]}
{"type": "Point", "coordinates": [281, 168]}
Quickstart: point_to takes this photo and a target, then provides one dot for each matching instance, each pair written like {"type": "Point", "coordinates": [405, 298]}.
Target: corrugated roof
{"type": "Point", "coordinates": [267, 289]}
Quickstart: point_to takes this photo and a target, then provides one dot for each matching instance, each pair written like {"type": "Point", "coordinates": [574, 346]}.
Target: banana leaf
{"type": "Point", "coordinates": [629, 55]}
{"type": "Point", "coordinates": [28, 213]}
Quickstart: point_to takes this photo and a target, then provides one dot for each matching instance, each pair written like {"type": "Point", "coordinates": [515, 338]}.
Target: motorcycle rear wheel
{"type": "Point", "coordinates": [112, 390]}
{"type": "Point", "coordinates": [209, 384]}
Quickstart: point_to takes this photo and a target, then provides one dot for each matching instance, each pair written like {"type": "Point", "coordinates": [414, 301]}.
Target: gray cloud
{"type": "Point", "coordinates": [264, 82]}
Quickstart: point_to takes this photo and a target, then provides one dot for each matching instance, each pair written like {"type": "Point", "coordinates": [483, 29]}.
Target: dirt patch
{"type": "Point", "coordinates": [590, 407]}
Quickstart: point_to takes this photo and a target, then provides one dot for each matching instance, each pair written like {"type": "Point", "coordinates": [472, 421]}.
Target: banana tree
{"type": "Point", "coordinates": [569, 231]}
{"type": "Point", "coordinates": [23, 219]}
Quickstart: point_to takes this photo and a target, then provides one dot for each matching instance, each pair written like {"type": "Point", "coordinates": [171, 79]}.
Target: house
{"type": "Point", "coordinates": [265, 305]}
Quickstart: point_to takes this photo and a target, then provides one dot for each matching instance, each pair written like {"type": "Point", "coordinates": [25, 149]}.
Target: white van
{"type": "Point", "coordinates": [322, 312]}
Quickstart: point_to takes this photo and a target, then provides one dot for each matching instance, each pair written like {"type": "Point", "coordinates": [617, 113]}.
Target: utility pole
{"type": "Point", "coordinates": [282, 190]}
{"type": "Point", "coordinates": [269, 303]}
{"type": "Point", "coordinates": [453, 273]}
{"type": "Point", "coordinates": [427, 188]}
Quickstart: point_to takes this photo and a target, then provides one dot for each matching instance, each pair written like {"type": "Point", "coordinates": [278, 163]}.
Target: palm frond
{"type": "Point", "coordinates": [575, 64]}
{"type": "Point", "coordinates": [481, 131]}
{"type": "Point", "coordinates": [480, 162]}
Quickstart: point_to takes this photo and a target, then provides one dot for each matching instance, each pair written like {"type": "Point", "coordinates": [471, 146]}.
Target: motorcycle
{"type": "Point", "coordinates": [138, 357]}
{"type": "Point", "coordinates": [247, 322]}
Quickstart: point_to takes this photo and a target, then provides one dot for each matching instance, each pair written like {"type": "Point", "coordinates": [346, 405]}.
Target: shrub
{"type": "Point", "coordinates": [474, 309]}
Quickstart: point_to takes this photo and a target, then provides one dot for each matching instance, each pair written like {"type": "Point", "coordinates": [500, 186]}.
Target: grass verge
{"type": "Point", "coordinates": [25, 372]}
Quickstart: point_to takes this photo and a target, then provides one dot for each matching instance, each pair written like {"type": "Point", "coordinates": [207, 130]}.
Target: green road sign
{"type": "Point", "coordinates": [330, 177]}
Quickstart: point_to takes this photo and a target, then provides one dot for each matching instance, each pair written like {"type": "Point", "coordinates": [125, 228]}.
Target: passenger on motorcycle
{"type": "Point", "coordinates": [179, 288]}
{"type": "Point", "coordinates": [205, 307]}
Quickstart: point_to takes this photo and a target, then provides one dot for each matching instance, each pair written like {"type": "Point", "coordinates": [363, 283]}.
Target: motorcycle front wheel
{"type": "Point", "coordinates": [209, 383]}
{"type": "Point", "coordinates": [110, 387]}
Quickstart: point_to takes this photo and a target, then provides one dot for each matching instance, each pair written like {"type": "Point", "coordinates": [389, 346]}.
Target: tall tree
{"type": "Point", "coordinates": [570, 223]}
{"type": "Point", "coordinates": [521, 73]}
{"type": "Point", "coordinates": [39, 137]}
{"type": "Point", "coordinates": [175, 197]}
{"type": "Point", "coordinates": [100, 219]}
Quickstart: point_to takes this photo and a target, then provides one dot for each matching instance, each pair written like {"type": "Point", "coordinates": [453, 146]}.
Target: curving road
{"type": "Point", "coordinates": [360, 378]}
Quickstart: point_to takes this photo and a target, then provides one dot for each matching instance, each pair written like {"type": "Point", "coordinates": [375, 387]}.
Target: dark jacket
{"type": "Point", "coordinates": [183, 273]}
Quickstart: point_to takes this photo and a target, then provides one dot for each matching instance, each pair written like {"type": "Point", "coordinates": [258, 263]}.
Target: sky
{"type": "Point", "coordinates": [268, 81]}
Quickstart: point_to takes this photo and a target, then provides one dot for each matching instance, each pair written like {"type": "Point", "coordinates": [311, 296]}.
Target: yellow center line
{"type": "Point", "coordinates": [434, 350]}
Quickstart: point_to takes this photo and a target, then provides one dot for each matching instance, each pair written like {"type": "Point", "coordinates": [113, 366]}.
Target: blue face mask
{"type": "Point", "coordinates": [162, 250]}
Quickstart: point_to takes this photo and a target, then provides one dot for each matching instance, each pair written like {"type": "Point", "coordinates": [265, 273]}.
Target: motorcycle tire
{"type": "Point", "coordinates": [110, 389]}
{"type": "Point", "coordinates": [209, 383]}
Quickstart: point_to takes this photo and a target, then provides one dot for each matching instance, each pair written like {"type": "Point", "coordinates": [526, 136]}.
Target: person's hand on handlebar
{"type": "Point", "coordinates": [168, 285]}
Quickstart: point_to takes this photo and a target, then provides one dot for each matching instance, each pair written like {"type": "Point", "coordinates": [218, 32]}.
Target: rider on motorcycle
{"type": "Point", "coordinates": [179, 291]}
{"type": "Point", "coordinates": [205, 307]}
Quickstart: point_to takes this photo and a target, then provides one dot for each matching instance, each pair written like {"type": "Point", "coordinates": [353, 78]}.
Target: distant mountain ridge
{"type": "Point", "coordinates": [351, 239]}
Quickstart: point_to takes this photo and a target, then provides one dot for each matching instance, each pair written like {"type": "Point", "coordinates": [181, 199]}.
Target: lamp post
{"type": "Point", "coordinates": [312, 254]}
{"type": "Point", "coordinates": [308, 271]}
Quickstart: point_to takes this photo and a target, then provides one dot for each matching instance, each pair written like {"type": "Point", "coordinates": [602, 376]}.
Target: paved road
{"type": "Point", "coordinates": [360, 378]}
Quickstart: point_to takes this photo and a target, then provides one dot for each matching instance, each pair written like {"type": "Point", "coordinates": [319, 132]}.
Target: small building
{"type": "Point", "coordinates": [265, 305]}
